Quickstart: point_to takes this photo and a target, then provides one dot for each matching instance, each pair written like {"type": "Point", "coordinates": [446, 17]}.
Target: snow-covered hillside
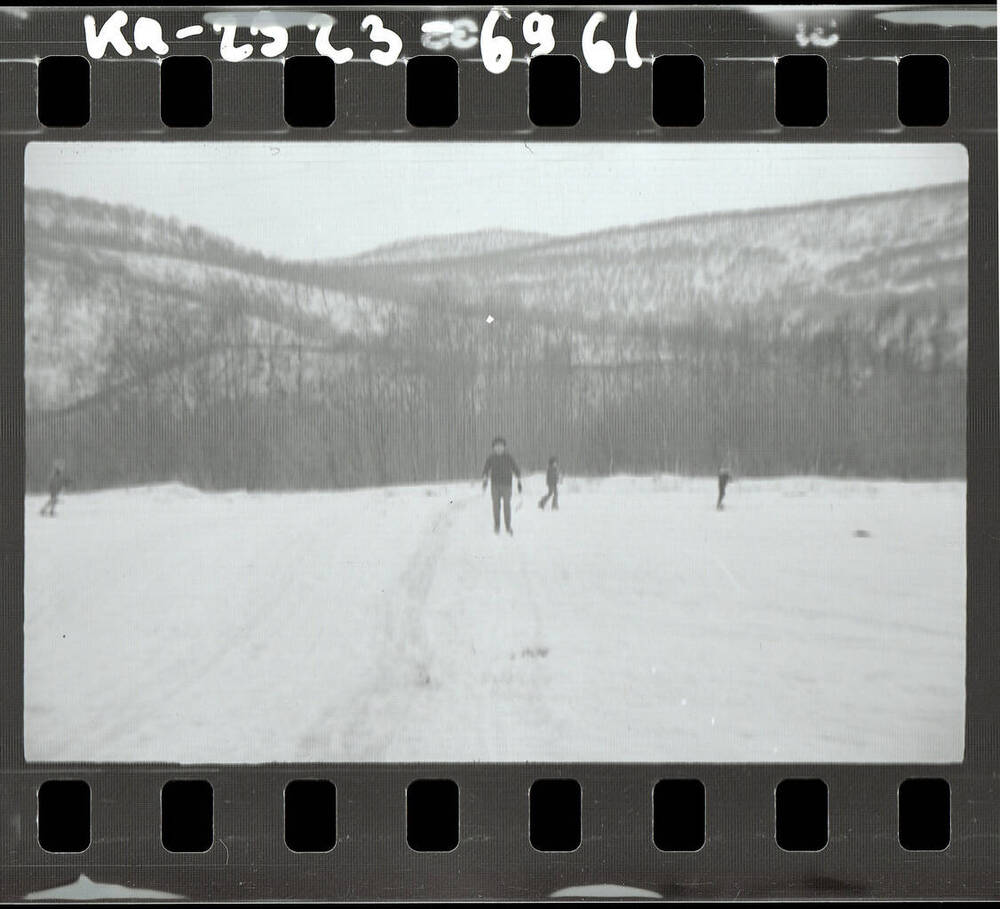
{"type": "Point", "coordinates": [812, 620]}
{"type": "Point", "coordinates": [477, 244]}
{"type": "Point", "coordinates": [98, 278]}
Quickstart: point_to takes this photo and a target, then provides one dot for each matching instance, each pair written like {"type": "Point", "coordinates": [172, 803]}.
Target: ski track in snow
{"type": "Point", "coordinates": [637, 623]}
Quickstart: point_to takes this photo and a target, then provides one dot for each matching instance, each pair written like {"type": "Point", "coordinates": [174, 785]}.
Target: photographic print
{"type": "Point", "coordinates": [381, 452]}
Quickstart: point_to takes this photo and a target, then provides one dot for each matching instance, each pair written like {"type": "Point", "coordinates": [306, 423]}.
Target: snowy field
{"type": "Point", "coordinates": [637, 624]}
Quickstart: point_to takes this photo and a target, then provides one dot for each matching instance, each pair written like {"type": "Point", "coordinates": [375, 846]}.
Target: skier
{"type": "Point", "coordinates": [724, 479]}
{"type": "Point", "coordinates": [57, 482]}
{"type": "Point", "coordinates": [551, 480]}
{"type": "Point", "coordinates": [499, 472]}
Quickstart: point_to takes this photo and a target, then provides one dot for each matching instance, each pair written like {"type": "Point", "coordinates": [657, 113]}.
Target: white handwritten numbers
{"type": "Point", "coordinates": [537, 30]}
{"type": "Point", "coordinates": [147, 34]}
{"type": "Point", "coordinates": [496, 49]}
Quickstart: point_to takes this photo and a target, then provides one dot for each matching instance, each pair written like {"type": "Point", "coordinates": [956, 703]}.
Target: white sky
{"type": "Point", "coordinates": [320, 200]}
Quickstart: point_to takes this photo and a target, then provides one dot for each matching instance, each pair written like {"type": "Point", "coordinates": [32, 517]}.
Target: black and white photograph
{"type": "Point", "coordinates": [495, 452]}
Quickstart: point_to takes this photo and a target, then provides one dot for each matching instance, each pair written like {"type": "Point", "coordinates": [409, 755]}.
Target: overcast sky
{"type": "Point", "coordinates": [320, 200]}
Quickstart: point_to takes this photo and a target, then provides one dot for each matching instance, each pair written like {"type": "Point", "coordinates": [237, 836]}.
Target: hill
{"type": "Point", "coordinates": [90, 267]}
{"type": "Point", "coordinates": [786, 334]}
{"type": "Point", "coordinates": [448, 246]}
{"type": "Point", "coordinates": [907, 247]}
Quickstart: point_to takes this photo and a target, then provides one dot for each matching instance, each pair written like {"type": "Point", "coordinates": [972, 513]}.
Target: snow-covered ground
{"type": "Point", "coordinates": [637, 623]}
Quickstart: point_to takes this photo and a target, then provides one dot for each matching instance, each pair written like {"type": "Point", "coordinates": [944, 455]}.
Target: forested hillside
{"type": "Point", "coordinates": [826, 338]}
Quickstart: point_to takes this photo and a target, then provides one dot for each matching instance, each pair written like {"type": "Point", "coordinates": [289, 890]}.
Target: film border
{"type": "Point", "coordinates": [248, 859]}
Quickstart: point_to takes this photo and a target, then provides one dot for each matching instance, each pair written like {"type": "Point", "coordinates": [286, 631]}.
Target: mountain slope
{"type": "Point", "coordinates": [102, 282]}
{"type": "Point", "coordinates": [448, 246]}
{"type": "Point", "coordinates": [892, 245]}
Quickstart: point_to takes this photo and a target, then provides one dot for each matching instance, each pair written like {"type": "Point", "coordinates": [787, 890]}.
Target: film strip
{"type": "Point", "coordinates": [719, 282]}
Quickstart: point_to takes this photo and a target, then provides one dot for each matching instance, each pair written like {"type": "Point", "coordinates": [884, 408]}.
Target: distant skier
{"type": "Point", "coordinates": [58, 481]}
{"type": "Point", "coordinates": [724, 479]}
{"type": "Point", "coordinates": [552, 481]}
{"type": "Point", "coordinates": [499, 472]}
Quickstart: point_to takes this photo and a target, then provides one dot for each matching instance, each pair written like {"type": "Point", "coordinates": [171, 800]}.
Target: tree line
{"type": "Point", "coordinates": [233, 396]}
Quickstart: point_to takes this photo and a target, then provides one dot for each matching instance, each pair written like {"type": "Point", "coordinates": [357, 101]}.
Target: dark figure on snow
{"type": "Point", "coordinates": [58, 481]}
{"type": "Point", "coordinates": [499, 472]}
{"type": "Point", "coordinates": [552, 481]}
{"type": "Point", "coordinates": [724, 479]}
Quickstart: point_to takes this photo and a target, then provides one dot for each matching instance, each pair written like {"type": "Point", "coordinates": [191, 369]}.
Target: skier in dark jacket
{"type": "Point", "coordinates": [499, 472]}
{"type": "Point", "coordinates": [58, 481]}
{"type": "Point", "coordinates": [552, 481]}
{"type": "Point", "coordinates": [724, 479]}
